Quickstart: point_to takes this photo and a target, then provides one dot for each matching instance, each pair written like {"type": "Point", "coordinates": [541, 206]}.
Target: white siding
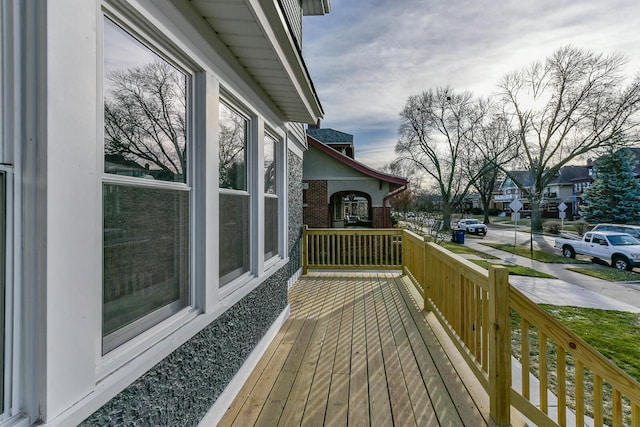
{"type": "Point", "coordinates": [293, 12]}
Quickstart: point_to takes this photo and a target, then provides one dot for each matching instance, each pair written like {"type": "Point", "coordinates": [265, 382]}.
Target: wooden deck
{"type": "Point", "coordinates": [356, 350]}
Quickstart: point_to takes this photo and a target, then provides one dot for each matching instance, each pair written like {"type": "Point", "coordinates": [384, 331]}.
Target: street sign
{"type": "Point", "coordinates": [562, 215]}
{"type": "Point", "coordinates": [515, 205]}
{"type": "Point", "coordinates": [515, 216]}
{"type": "Point", "coordinates": [562, 207]}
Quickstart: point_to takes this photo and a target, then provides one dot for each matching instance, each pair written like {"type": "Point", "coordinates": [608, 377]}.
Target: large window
{"type": "Point", "coordinates": [146, 199]}
{"type": "Point", "coordinates": [234, 195]}
{"type": "Point", "coordinates": [270, 196]}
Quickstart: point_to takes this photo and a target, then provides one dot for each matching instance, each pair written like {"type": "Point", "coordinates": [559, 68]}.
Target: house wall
{"type": "Point", "coordinates": [340, 177]}
{"type": "Point", "coordinates": [293, 12]}
{"type": "Point", "coordinates": [316, 205]}
{"type": "Point", "coordinates": [378, 217]}
{"type": "Point", "coordinates": [182, 387]}
{"type": "Point", "coordinates": [172, 372]}
{"type": "Point", "coordinates": [295, 213]}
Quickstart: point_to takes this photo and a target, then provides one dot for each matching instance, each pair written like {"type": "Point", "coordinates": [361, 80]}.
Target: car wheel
{"type": "Point", "coordinates": [621, 263]}
{"type": "Point", "coordinates": [568, 252]}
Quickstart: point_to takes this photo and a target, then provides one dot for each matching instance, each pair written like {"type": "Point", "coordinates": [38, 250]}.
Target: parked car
{"type": "Point", "coordinates": [620, 250]}
{"type": "Point", "coordinates": [633, 230]}
{"type": "Point", "coordinates": [472, 226]}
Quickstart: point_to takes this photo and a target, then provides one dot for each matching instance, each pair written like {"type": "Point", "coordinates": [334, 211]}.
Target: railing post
{"type": "Point", "coordinates": [499, 346]}
{"type": "Point", "coordinates": [305, 250]}
{"type": "Point", "coordinates": [428, 271]}
{"type": "Point", "coordinates": [405, 252]}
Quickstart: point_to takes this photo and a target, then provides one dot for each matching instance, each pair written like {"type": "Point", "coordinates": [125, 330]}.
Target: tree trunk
{"type": "Point", "coordinates": [536, 213]}
{"type": "Point", "coordinates": [446, 218]}
{"type": "Point", "coordinates": [485, 209]}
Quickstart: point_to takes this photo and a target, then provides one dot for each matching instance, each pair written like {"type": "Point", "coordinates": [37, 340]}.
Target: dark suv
{"type": "Point", "coordinates": [633, 230]}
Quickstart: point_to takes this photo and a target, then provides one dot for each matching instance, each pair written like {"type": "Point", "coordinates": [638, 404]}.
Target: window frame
{"type": "Point", "coordinates": [148, 326]}
{"type": "Point", "coordinates": [270, 257]}
{"type": "Point", "coordinates": [233, 283]}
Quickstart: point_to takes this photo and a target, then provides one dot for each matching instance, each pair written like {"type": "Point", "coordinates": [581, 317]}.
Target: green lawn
{"type": "Point", "coordinates": [610, 274]}
{"type": "Point", "coordinates": [538, 255]}
{"type": "Point", "coordinates": [515, 270]}
{"type": "Point", "coordinates": [457, 248]}
{"type": "Point", "coordinates": [615, 334]}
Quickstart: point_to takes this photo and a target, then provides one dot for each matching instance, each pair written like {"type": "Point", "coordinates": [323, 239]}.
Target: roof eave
{"type": "Point", "coordinates": [291, 91]}
{"type": "Point", "coordinates": [362, 168]}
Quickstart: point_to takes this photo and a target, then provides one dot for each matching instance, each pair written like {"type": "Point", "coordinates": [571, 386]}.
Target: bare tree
{"type": "Point", "coordinates": [493, 146]}
{"type": "Point", "coordinates": [232, 150]}
{"type": "Point", "coordinates": [145, 117]}
{"type": "Point", "coordinates": [435, 127]}
{"type": "Point", "coordinates": [566, 106]}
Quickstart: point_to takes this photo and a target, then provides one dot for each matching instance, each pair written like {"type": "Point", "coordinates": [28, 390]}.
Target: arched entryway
{"type": "Point", "coordinates": [350, 209]}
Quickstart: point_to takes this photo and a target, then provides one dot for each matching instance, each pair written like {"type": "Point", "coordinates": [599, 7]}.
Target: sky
{"type": "Point", "coordinates": [366, 57]}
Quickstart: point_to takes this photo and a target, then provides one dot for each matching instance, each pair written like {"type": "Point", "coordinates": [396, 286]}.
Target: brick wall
{"type": "Point", "coordinates": [377, 214]}
{"type": "Point", "coordinates": [315, 213]}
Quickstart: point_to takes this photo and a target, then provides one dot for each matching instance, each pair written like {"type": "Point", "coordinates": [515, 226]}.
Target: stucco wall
{"type": "Point", "coordinates": [180, 389]}
{"type": "Point", "coordinates": [295, 211]}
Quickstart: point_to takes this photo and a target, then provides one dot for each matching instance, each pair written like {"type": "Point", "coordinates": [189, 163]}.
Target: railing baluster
{"type": "Point", "coordinates": [524, 356]}
{"type": "Point", "coordinates": [561, 361]}
{"type": "Point", "coordinates": [542, 342]}
{"type": "Point", "coordinates": [617, 408]}
{"type": "Point", "coordinates": [598, 415]}
{"type": "Point", "coordinates": [579, 380]}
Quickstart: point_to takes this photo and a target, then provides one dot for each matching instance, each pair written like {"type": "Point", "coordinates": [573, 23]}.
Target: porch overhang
{"type": "Point", "coordinates": [258, 36]}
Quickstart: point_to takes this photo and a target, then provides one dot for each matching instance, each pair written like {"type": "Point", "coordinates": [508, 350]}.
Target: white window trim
{"type": "Point", "coordinates": [228, 288]}
{"type": "Point", "coordinates": [114, 359]}
{"type": "Point", "coordinates": [278, 159]}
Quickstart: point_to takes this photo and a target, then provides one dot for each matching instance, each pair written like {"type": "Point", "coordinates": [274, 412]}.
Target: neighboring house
{"type": "Point", "coordinates": [339, 141]}
{"type": "Point", "coordinates": [340, 191]}
{"type": "Point", "coordinates": [150, 203]}
{"type": "Point", "coordinates": [509, 190]}
{"type": "Point", "coordinates": [567, 188]}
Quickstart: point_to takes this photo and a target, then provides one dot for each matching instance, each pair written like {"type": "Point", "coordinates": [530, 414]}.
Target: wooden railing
{"type": "Point", "coordinates": [477, 308]}
{"type": "Point", "coordinates": [354, 249]}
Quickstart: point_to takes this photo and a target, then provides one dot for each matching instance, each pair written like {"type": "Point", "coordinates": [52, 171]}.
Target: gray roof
{"type": "Point", "coordinates": [330, 136]}
{"type": "Point", "coordinates": [570, 174]}
{"type": "Point", "coordinates": [525, 178]}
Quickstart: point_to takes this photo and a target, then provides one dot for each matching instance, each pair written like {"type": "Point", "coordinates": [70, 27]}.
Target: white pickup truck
{"type": "Point", "coordinates": [619, 249]}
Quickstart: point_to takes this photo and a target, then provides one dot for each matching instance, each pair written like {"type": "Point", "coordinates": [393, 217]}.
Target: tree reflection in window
{"type": "Point", "coordinates": [232, 154]}
{"type": "Point", "coordinates": [145, 114]}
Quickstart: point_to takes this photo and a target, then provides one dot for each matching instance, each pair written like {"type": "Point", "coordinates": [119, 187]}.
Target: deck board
{"type": "Point", "coordinates": [355, 351]}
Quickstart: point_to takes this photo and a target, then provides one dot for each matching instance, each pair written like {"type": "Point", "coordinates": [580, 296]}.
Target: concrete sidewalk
{"type": "Point", "coordinates": [570, 288]}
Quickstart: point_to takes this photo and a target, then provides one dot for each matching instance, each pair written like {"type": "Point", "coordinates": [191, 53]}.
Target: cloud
{"type": "Point", "coordinates": [367, 57]}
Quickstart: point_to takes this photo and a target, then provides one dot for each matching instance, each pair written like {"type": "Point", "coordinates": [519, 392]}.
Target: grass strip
{"type": "Point", "coordinates": [610, 274]}
{"type": "Point", "coordinates": [538, 255]}
{"type": "Point", "coordinates": [515, 270]}
{"type": "Point", "coordinates": [457, 248]}
{"type": "Point", "coordinates": [613, 333]}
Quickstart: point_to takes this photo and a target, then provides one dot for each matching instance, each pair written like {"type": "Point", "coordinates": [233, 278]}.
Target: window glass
{"type": "Point", "coordinates": [145, 105]}
{"type": "Point", "coordinates": [233, 149]}
{"type": "Point", "coordinates": [234, 215]}
{"type": "Point", "coordinates": [270, 226]}
{"type": "Point", "coordinates": [146, 228]}
{"type": "Point", "coordinates": [270, 198]}
{"type": "Point", "coordinates": [145, 258]}
{"type": "Point", "coordinates": [269, 165]}
{"type": "Point", "coordinates": [234, 236]}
